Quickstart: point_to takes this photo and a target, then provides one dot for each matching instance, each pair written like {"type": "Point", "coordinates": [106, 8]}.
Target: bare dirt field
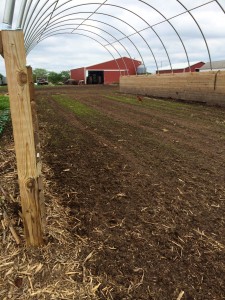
{"type": "Point", "coordinates": [143, 186]}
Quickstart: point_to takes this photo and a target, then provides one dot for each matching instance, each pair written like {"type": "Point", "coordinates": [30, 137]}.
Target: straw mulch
{"type": "Point", "coordinates": [55, 271]}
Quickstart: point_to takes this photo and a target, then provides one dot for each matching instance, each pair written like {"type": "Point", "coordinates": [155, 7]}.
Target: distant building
{"type": "Point", "coordinates": [213, 66]}
{"type": "Point", "coordinates": [107, 72]}
{"type": "Point", "coordinates": [3, 80]}
{"type": "Point", "coordinates": [181, 68]}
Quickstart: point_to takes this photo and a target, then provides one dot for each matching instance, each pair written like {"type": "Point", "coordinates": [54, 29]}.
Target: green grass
{"type": "Point", "coordinates": [4, 102]}
{"type": "Point", "coordinates": [151, 103]}
{"type": "Point", "coordinates": [75, 106]}
{"type": "Point", "coordinates": [3, 87]}
{"type": "Point", "coordinates": [4, 112]}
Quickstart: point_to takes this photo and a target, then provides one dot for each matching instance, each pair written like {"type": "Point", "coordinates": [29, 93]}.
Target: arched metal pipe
{"type": "Point", "coordinates": [26, 11]}
{"type": "Point", "coordinates": [8, 13]}
{"type": "Point", "coordinates": [164, 47]}
{"type": "Point", "coordinates": [89, 38]}
{"type": "Point", "coordinates": [38, 19]}
{"type": "Point", "coordinates": [28, 39]}
{"type": "Point", "coordinates": [29, 15]}
{"type": "Point", "coordinates": [101, 4]}
{"type": "Point", "coordinates": [38, 15]}
{"type": "Point", "coordinates": [53, 26]}
{"type": "Point", "coordinates": [125, 65]}
{"type": "Point", "coordinates": [92, 26]}
{"type": "Point", "coordinates": [98, 13]}
{"type": "Point", "coordinates": [185, 50]}
{"type": "Point", "coordinates": [118, 19]}
{"type": "Point", "coordinates": [199, 27]}
{"type": "Point", "coordinates": [223, 9]}
{"type": "Point", "coordinates": [21, 14]}
{"type": "Point", "coordinates": [50, 16]}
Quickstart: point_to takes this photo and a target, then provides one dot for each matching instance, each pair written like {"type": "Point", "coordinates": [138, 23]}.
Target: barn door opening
{"type": "Point", "coordinates": [95, 77]}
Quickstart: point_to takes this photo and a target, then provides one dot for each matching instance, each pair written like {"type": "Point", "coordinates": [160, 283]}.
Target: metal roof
{"type": "Point", "coordinates": [216, 65]}
{"type": "Point", "coordinates": [179, 66]}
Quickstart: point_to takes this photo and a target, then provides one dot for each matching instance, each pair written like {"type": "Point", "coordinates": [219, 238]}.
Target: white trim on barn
{"type": "Point", "coordinates": [108, 70]}
{"type": "Point", "coordinates": [178, 66]}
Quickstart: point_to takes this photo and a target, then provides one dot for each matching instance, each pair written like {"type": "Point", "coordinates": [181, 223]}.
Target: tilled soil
{"type": "Point", "coordinates": [144, 181]}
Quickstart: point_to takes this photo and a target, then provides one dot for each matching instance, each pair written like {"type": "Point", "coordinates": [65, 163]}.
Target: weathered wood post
{"type": "Point", "coordinates": [13, 50]}
{"type": "Point", "coordinates": [37, 144]}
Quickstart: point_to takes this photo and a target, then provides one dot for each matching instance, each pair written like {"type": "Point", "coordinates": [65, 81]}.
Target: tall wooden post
{"type": "Point", "coordinates": [23, 132]}
{"type": "Point", "coordinates": [37, 144]}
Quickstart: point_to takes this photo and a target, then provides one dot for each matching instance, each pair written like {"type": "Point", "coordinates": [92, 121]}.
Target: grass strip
{"type": "Point", "coordinates": [154, 103]}
{"type": "Point", "coordinates": [4, 112]}
{"type": "Point", "coordinates": [75, 106]}
{"type": "Point", "coordinates": [4, 102]}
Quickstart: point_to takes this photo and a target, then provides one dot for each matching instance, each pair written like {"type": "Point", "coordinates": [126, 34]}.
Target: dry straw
{"type": "Point", "coordinates": [55, 271]}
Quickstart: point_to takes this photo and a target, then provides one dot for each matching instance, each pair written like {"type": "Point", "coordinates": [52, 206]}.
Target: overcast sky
{"type": "Point", "coordinates": [134, 29]}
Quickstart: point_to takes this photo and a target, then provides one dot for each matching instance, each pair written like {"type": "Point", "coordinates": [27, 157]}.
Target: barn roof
{"type": "Point", "coordinates": [121, 61]}
{"type": "Point", "coordinates": [179, 66]}
{"type": "Point", "coordinates": [216, 65]}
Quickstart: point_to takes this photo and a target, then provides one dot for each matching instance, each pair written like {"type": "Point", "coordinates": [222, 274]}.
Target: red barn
{"type": "Point", "coordinates": [107, 72]}
{"type": "Point", "coordinates": [181, 68]}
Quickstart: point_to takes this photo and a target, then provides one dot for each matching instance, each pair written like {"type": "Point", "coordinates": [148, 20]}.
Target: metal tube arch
{"type": "Point", "coordinates": [92, 26]}
{"type": "Point", "coordinates": [164, 47]}
{"type": "Point", "coordinates": [27, 33]}
{"type": "Point", "coordinates": [185, 50]}
{"type": "Point", "coordinates": [199, 27]}
{"type": "Point", "coordinates": [27, 38]}
{"type": "Point", "coordinates": [223, 9]}
{"type": "Point", "coordinates": [27, 22]}
{"type": "Point", "coordinates": [136, 32]}
{"type": "Point", "coordinates": [101, 4]}
{"type": "Point", "coordinates": [8, 13]}
{"type": "Point", "coordinates": [97, 3]}
{"type": "Point", "coordinates": [103, 39]}
{"type": "Point", "coordinates": [56, 2]}
{"type": "Point", "coordinates": [132, 43]}
{"type": "Point", "coordinates": [101, 29]}
{"type": "Point", "coordinates": [27, 8]}
{"type": "Point", "coordinates": [32, 14]}
{"type": "Point", "coordinates": [123, 22]}
{"type": "Point", "coordinates": [21, 13]}
{"type": "Point", "coordinates": [76, 33]}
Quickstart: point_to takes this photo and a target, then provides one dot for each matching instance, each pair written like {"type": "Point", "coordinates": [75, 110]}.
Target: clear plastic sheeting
{"type": "Point", "coordinates": [142, 29]}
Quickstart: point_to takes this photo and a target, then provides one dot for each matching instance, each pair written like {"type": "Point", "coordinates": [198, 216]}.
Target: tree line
{"type": "Point", "coordinates": [51, 76]}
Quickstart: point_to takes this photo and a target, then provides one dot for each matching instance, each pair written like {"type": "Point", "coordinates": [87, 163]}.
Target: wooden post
{"type": "Point", "coordinates": [23, 132]}
{"type": "Point", "coordinates": [37, 144]}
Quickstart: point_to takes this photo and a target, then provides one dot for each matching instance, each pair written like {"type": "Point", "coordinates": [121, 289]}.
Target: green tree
{"type": "Point", "coordinates": [54, 77]}
{"type": "Point", "coordinates": [65, 75]}
{"type": "Point", "coordinates": [40, 73]}
{"type": "Point", "coordinates": [51, 76]}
